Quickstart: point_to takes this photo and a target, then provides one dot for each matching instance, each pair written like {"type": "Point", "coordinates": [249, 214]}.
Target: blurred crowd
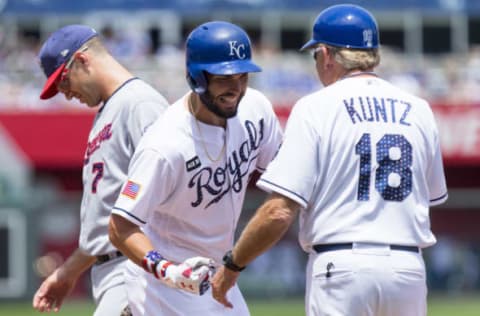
{"type": "Point", "coordinates": [448, 79]}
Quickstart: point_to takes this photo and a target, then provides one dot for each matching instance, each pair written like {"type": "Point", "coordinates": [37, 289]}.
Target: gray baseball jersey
{"type": "Point", "coordinates": [116, 131]}
{"type": "Point", "coordinates": [366, 165]}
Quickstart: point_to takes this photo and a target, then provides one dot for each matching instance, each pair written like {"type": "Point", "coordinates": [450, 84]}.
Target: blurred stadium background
{"type": "Point", "coordinates": [430, 47]}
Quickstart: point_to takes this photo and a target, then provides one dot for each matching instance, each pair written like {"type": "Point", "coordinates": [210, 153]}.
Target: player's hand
{"type": "Point", "coordinates": [193, 275]}
{"type": "Point", "coordinates": [51, 293]}
{"type": "Point", "coordinates": [221, 282]}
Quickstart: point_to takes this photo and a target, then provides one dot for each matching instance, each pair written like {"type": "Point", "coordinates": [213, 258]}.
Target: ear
{"type": "Point", "coordinates": [328, 58]}
{"type": "Point", "coordinates": [82, 58]}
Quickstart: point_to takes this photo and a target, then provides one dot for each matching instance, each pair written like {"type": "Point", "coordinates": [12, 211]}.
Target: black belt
{"type": "Point", "coordinates": [349, 245]}
{"type": "Point", "coordinates": [109, 256]}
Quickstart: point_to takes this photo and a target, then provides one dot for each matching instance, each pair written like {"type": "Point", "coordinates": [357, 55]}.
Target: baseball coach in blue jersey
{"type": "Point", "coordinates": [367, 167]}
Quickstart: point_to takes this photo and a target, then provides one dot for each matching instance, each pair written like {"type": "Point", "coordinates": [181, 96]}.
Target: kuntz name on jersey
{"type": "Point", "coordinates": [374, 109]}
{"type": "Point", "coordinates": [215, 183]}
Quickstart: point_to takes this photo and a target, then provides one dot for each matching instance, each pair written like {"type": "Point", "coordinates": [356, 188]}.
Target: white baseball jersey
{"type": "Point", "coordinates": [363, 159]}
{"type": "Point", "coordinates": [117, 129]}
{"type": "Point", "coordinates": [187, 204]}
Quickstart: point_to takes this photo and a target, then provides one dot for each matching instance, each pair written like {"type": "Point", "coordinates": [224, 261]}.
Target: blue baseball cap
{"type": "Point", "coordinates": [57, 50]}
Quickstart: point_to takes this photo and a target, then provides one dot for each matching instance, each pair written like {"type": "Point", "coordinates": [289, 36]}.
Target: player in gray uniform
{"type": "Point", "coordinates": [78, 65]}
{"type": "Point", "coordinates": [186, 188]}
{"type": "Point", "coordinates": [361, 164]}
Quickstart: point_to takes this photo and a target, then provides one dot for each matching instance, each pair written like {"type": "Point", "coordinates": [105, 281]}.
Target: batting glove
{"type": "Point", "coordinates": [193, 275]}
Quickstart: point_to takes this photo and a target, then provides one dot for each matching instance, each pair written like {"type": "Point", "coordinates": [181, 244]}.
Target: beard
{"type": "Point", "coordinates": [209, 102]}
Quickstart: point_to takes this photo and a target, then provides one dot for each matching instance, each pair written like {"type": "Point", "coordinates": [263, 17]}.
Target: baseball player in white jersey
{"type": "Point", "coordinates": [78, 65]}
{"type": "Point", "coordinates": [361, 164]}
{"type": "Point", "coordinates": [188, 179]}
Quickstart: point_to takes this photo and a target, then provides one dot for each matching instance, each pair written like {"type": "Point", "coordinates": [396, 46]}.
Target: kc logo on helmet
{"type": "Point", "coordinates": [237, 50]}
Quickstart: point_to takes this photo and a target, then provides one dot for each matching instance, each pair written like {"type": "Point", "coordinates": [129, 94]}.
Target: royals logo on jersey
{"type": "Point", "coordinates": [211, 183]}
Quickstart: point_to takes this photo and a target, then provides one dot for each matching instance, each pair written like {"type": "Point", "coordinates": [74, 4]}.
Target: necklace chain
{"type": "Point", "coordinates": [222, 152]}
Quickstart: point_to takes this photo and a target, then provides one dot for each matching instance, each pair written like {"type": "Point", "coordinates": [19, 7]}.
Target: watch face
{"type": "Point", "coordinates": [228, 262]}
{"type": "Point", "coordinates": [227, 258]}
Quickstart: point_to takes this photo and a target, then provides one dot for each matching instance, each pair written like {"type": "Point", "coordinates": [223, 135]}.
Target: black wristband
{"type": "Point", "coordinates": [229, 264]}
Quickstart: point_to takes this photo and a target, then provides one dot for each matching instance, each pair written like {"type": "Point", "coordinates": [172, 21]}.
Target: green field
{"type": "Point", "coordinates": [438, 306]}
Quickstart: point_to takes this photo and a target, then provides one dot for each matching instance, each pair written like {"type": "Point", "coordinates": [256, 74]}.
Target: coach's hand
{"type": "Point", "coordinates": [223, 281]}
{"type": "Point", "coordinates": [193, 275]}
{"type": "Point", "coordinates": [51, 294]}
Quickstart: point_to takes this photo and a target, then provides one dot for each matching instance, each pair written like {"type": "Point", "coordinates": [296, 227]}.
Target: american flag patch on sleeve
{"type": "Point", "coordinates": [131, 189]}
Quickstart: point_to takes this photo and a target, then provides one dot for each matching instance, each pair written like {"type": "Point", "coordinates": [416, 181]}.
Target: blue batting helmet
{"type": "Point", "coordinates": [219, 48]}
{"type": "Point", "coordinates": [345, 25]}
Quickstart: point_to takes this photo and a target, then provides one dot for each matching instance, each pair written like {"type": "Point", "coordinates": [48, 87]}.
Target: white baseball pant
{"type": "Point", "coordinates": [368, 280]}
{"type": "Point", "coordinates": [149, 296]}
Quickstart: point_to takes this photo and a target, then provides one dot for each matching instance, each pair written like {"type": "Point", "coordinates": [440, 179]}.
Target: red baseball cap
{"type": "Point", "coordinates": [57, 50]}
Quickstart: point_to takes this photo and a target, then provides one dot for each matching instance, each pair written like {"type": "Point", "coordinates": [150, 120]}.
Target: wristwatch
{"type": "Point", "coordinates": [229, 264]}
